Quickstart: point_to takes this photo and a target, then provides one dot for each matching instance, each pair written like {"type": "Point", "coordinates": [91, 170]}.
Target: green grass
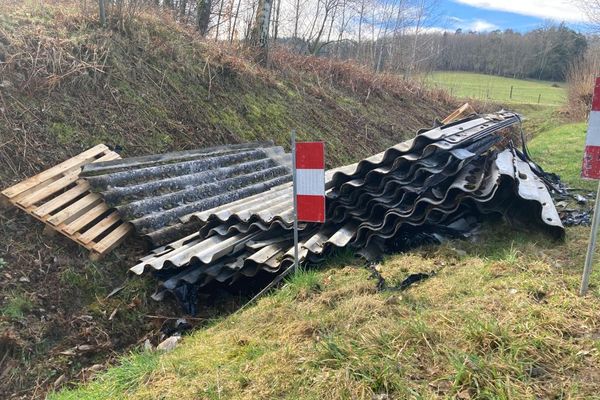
{"type": "Point", "coordinates": [502, 322]}
{"type": "Point", "coordinates": [17, 306]}
{"type": "Point", "coordinates": [118, 383]}
{"type": "Point", "coordinates": [560, 150]}
{"type": "Point", "coordinates": [496, 88]}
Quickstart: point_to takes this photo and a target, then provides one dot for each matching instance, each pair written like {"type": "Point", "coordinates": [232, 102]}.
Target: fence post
{"type": "Point", "coordinates": [539, 98]}
{"type": "Point", "coordinates": [511, 88]}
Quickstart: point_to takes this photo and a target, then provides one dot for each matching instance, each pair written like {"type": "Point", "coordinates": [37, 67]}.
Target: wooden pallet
{"type": "Point", "coordinates": [62, 201]}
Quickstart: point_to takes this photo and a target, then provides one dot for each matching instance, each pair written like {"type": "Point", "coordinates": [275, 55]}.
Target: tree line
{"type": "Point", "coordinates": [544, 53]}
{"type": "Point", "coordinates": [401, 36]}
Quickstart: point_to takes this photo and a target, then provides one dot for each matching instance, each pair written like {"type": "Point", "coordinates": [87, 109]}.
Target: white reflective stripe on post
{"type": "Point", "coordinates": [310, 182]}
{"type": "Point", "coordinates": [593, 134]}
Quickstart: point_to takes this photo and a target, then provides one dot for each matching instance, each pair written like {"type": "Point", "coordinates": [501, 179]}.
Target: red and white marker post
{"type": "Point", "coordinates": [310, 181]}
{"type": "Point", "coordinates": [308, 170]}
{"type": "Point", "coordinates": [591, 170]}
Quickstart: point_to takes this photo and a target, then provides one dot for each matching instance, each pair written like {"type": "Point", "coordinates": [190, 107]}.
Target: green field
{"type": "Point", "coordinates": [496, 88]}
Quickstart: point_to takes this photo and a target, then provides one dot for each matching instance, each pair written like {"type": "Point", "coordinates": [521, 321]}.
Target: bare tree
{"type": "Point", "coordinates": [259, 37]}
{"type": "Point", "coordinates": [203, 8]}
{"type": "Point", "coordinates": [592, 9]}
{"type": "Point", "coordinates": [102, 10]}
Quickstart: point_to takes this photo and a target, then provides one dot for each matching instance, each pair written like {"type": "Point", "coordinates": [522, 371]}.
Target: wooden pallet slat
{"type": "Point", "coordinates": [76, 208]}
{"type": "Point", "coordinates": [66, 205]}
{"type": "Point", "coordinates": [61, 200]}
{"type": "Point", "coordinates": [47, 191]}
{"type": "Point", "coordinates": [85, 219]}
{"type": "Point", "coordinates": [112, 240]}
{"type": "Point", "coordinates": [99, 228]}
{"type": "Point", "coordinates": [76, 161]}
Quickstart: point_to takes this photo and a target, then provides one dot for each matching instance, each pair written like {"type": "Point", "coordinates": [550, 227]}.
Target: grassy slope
{"type": "Point", "coordinates": [501, 319]}
{"type": "Point", "coordinates": [66, 85]}
{"type": "Point", "coordinates": [496, 88]}
{"type": "Point", "coordinates": [157, 87]}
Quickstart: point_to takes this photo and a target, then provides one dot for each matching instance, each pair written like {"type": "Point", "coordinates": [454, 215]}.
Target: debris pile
{"type": "Point", "coordinates": [438, 184]}
{"type": "Point", "coordinates": [226, 213]}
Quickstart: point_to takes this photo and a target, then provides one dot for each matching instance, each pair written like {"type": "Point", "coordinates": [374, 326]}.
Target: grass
{"type": "Point", "coordinates": [17, 306]}
{"type": "Point", "coordinates": [504, 321]}
{"type": "Point", "coordinates": [500, 319]}
{"type": "Point", "coordinates": [496, 88]}
{"type": "Point", "coordinates": [560, 150]}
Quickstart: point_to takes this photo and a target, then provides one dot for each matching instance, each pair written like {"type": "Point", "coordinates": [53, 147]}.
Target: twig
{"type": "Point", "coordinates": [165, 317]}
{"type": "Point", "coordinates": [25, 108]}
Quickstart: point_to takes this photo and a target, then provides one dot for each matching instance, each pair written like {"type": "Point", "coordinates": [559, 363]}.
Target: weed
{"type": "Point", "coordinates": [64, 133]}
{"type": "Point", "coordinates": [301, 285]}
{"type": "Point", "coordinates": [17, 305]}
{"type": "Point", "coordinates": [511, 255]}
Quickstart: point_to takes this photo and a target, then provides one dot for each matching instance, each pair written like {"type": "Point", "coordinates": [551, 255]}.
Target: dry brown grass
{"type": "Point", "coordinates": [357, 78]}
{"type": "Point", "coordinates": [580, 79]}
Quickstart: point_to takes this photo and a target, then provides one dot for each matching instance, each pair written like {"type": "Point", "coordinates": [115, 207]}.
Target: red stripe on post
{"type": "Point", "coordinates": [596, 98]}
{"type": "Point", "coordinates": [311, 208]}
{"type": "Point", "coordinates": [310, 155]}
{"type": "Point", "coordinates": [591, 163]}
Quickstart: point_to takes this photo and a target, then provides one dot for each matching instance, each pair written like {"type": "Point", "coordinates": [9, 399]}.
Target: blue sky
{"type": "Point", "coordinates": [519, 15]}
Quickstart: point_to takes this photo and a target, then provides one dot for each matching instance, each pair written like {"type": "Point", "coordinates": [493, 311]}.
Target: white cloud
{"type": "Point", "coordinates": [557, 10]}
{"type": "Point", "coordinates": [471, 25]}
{"type": "Point", "coordinates": [480, 25]}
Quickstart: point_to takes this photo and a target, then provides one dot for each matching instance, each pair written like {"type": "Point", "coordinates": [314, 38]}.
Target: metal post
{"type": "Point", "coordinates": [587, 270]}
{"type": "Point", "coordinates": [295, 201]}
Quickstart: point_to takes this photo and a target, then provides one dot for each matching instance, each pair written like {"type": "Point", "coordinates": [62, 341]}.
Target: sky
{"type": "Point", "coordinates": [519, 15]}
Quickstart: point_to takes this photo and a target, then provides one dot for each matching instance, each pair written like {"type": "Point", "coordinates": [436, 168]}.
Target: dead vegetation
{"type": "Point", "coordinates": [156, 86]}
{"type": "Point", "coordinates": [580, 79]}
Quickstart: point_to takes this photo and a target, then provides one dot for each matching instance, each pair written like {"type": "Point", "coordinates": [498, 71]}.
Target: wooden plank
{"type": "Point", "coordinates": [111, 240]}
{"type": "Point", "coordinates": [85, 219]}
{"type": "Point", "coordinates": [48, 191]}
{"type": "Point", "coordinates": [60, 200]}
{"type": "Point", "coordinates": [74, 210]}
{"type": "Point", "coordinates": [99, 228]}
{"type": "Point", "coordinates": [76, 161]}
{"type": "Point", "coordinates": [458, 113]}
{"type": "Point", "coordinates": [34, 189]}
